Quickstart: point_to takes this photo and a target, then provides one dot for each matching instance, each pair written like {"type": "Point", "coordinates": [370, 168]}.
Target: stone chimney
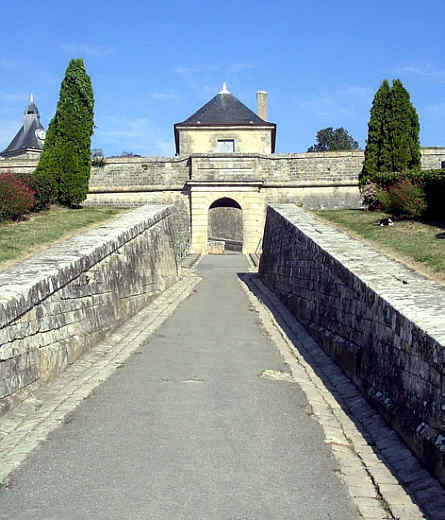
{"type": "Point", "coordinates": [261, 99]}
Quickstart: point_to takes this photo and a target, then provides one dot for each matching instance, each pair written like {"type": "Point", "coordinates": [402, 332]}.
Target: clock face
{"type": "Point", "coordinates": [40, 134]}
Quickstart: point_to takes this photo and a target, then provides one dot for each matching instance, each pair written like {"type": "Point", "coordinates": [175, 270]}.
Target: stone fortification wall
{"type": "Point", "coordinates": [278, 168]}
{"type": "Point", "coordinates": [299, 169]}
{"type": "Point", "coordinates": [313, 180]}
{"type": "Point", "coordinates": [380, 321]}
{"type": "Point", "coordinates": [433, 157]}
{"type": "Point", "coordinates": [57, 304]}
{"type": "Point", "coordinates": [18, 165]}
{"type": "Point", "coordinates": [137, 174]}
{"type": "Point", "coordinates": [340, 167]}
{"type": "Point", "coordinates": [144, 174]}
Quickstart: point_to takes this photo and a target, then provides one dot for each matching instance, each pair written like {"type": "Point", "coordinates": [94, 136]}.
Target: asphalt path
{"type": "Point", "coordinates": [188, 429]}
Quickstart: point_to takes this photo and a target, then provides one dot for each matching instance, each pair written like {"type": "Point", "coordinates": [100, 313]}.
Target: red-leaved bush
{"type": "Point", "coordinates": [15, 198]}
{"type": "Point", "coordinates": [404, 199]}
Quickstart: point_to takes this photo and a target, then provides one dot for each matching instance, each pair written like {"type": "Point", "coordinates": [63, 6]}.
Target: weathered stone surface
{"type": "Point", "coordinates": [56, 305]}
{"type": "Point", "coordinates": [380, 321]}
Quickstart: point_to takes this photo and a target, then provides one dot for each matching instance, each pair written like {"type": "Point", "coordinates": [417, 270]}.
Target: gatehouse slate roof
{"type": "Point", "coordinates": [26, 139]}
{"type": "Point", "coordinates": [224, 110]}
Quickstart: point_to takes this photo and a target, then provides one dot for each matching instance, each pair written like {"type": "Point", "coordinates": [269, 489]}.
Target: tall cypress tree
{"type": "Point", "coordinates": [66, 155]}
{"type": "Point", "coordinates": [400, 127]}
{"type": "Point", "coordinates": [393, 133]}
{"type": "Point", "coordinates": [405, 113]}
{"type": "Point", "coordinates": [378, 155]}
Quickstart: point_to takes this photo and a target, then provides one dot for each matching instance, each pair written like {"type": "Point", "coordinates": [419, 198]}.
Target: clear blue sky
{"type": "Point", "coordinates": [155, 63]}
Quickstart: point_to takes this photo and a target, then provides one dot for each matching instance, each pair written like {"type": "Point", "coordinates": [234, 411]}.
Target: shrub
{"type": "Point", "coordinates": [369, 192]}
{"type": "Point", "coordinates": [16, 199]}
{"type": "Point", "coordinates": [43, 186]}
{"type": "Point", "coordinates": [431, 181]}
{"type": "Point", "coordinates": [383, 201]}
{"type": "Point", "coordinates": [404, 199]}
{"type": "Point", "coordinates": [434, 185]}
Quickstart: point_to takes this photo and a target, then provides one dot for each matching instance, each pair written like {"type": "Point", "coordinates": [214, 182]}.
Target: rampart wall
{"type": "Point", "coordinates": [128, 179]}
{"type": "Point", "coordinates": [191, 183]}
{"type": "Point", "coordinates": [59, 303]}
{"type": "Point", "coordinates": [380, 321]}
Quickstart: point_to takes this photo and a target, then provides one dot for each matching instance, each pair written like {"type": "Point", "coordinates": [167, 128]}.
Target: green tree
{"type": "Point", "coordinates": [378, 156]}
{"type": "Point", "coordinates": [66, 155]}
{"type": "Point", "coordinates": [330, 140]}
{"type": "Point", "coordinates": [393, 133]}
{"type": "Point", "coordinates": [404, 130]}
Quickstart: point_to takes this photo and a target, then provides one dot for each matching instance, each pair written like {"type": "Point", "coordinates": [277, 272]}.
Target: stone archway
{"type": "Point", "coordinates": [249, 198]}
{"type": "Point", "coordinates": [225, 224]}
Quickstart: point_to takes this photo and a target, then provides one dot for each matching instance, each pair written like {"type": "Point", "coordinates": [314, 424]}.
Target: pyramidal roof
{"type": "Point", "coordinates": [27, 138]}
{"type": "Point", "coordinates": [224, 109]}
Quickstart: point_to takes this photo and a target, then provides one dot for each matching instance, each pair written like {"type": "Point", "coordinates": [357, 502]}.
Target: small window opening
{"type": "Point", "coordinates": [442, 165]}
{"type": "Point", "coordinates": [226, 145]}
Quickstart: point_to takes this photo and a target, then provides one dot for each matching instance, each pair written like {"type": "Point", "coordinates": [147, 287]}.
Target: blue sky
{"type": "Point", "coordinates": [155, 63]}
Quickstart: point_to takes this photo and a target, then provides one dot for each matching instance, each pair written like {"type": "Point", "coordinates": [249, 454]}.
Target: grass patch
{"type": "Point", "coordinates": [19, 240]}
{"type": "Point", "coordinates": [419, 244]}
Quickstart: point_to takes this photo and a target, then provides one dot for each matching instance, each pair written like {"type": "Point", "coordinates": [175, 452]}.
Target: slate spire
{"type": "Point", "coordinates": [30, 137]}
{"type": "Point", "coordinates": [31, 114]}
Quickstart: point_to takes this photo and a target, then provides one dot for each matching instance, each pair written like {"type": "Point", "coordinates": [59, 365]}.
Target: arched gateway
{"type": "Point", "coordinates": [236, 212]}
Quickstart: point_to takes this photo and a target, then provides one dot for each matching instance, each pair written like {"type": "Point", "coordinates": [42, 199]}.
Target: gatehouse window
{"type": "Point", "coordinates": [226, 145]}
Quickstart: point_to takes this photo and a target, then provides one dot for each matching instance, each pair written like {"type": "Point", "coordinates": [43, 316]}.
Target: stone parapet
{"type": "Point", "coordinates": [57, 304]}
{"type": "Point", "coordinates": [152, 173]}
{"type": "Point", "coordinates": [380, 321]}
{"type": "Point", "coordinates": [122, 173]}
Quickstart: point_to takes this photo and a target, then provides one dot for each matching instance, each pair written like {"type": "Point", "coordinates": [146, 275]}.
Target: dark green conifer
{"type": "Point", "coordinates": [66, 152]}
{"type": "Point", "coordinates": [400, 127]}
{"type": "Point", "coordinates": [393, 133]}
{"type": "Point", "coordinates": [378, 156]}
{"type": "Point", "coordinates": [405, 130]}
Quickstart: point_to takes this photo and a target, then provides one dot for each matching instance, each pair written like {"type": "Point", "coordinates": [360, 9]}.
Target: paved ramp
{"type": "Point", "coordinates": [188, 428]}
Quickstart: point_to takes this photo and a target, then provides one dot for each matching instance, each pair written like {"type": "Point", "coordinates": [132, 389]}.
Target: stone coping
{"type": "Point", "coordinates": [34, 279]}
{"type": "Point", "coordinates": [416, 297]}
{"type": "Point", "coordinates": [136, 188]}
{"type": "Point", "coordinates": [427, 150]}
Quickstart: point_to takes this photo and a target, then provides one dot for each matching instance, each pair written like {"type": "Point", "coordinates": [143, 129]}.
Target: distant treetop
{"type": "Point", "coordinates": [330, 140]}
